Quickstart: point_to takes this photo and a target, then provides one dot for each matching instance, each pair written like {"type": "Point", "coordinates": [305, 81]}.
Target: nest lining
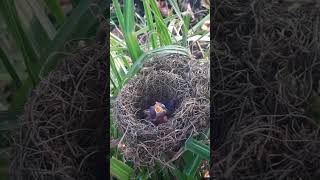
{"type": "Point", "coordinates": [162, 77]}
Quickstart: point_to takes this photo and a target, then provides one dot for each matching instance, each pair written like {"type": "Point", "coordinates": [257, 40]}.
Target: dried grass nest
{"type": "Point", "coordinates": [266, 69]}
{"type": "Point", "coordinates": [61, 133]}
{"type": "Point", "coordinates": [163, 77]}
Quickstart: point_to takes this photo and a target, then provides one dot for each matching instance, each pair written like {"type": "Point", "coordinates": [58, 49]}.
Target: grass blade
{"type": "Point", "coordinates": [129, 15]}
{"type": "Point", "coordinates": [30, 57]}
{"type": "Point", "coordinates": [198, 148]}
{"type": "Point", "coordinates": [56, 10]}
{"type": "Point", "coordinates": [70, 30]}
{"type": "Point", "coordinates": [162, 50]}
{"type": "Point", "coordinates": [120, 170]}
{"type": "Point", "coordinates": [127, 27]}
{"type": "Point", "coordinates": [36, 23]}
{"type": "Point", "coordinates": [162, 29]}
{"type": "Point", "coordinates": [185, 20]}
{"type": "Point", "coordinates": [119, 14]}
{"type": "Point", "coordinates": [115, 71]}
{"type": "Point", "coordinates": [192, 170]}
{"type": "Point", "coordinates": [133, 45]}
{"type": "Point", "coordinates": [9, 67]}
{"type": "Point", "coordinates": [150, 23]}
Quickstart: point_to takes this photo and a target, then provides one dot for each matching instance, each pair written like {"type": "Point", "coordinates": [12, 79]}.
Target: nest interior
{"type": "Point", "coordinates": [61, 134]}
{"type": "Point", "coordinates": [265, 74]}
{"type": "Point", "coordinates": [161, 78]}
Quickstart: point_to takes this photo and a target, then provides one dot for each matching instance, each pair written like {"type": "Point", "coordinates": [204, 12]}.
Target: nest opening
{"type": "Point", "coordinates": [159, 87]}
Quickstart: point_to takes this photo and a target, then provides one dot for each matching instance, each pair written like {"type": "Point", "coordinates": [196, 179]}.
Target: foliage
{"type": "Point", "coordinates": [41, 42]}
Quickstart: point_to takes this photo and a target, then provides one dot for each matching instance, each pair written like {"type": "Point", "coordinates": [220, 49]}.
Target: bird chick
{"type": "Point", "coordinates": [156, 114]}
{"type": "Point", "coordinates": [170, 105]}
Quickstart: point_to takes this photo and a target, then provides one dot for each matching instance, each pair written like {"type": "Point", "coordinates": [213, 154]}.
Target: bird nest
{"type": "Point", "coordinates": [163, 77]}
{"type": "Point", "coordinates": [61, 133]}
{"type": "Point", "coordinates": [266, 66]}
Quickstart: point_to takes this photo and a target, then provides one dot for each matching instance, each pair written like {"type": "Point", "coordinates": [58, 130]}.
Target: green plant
{"type": "Point", "coordinates": [40, 42]}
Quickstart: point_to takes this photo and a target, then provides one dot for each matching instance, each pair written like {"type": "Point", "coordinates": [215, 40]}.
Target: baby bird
{"type": "Point", "coordinates": [170, 105]}
{"type": "Point", "coordinates": [159, 113]}
{"type": "Point", "coordinates": [156, 114]}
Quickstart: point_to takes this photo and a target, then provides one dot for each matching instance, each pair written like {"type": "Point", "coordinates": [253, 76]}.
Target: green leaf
{"type": "Point", "coordinates": [162, 28]}
{"type": "Point", "coordinates": [199, 24]}
{"type": "Point", "coordinates": [21, 95]}
{"type": "Point", "coordinates": [55, 9]}
{"type": "Point", "coordinates": [119, 14]}
{"type": "Point", "coordinates": [8, 10]}
{"type": "Point", "coordinates": [150, 24]}
{"type": "Point", "coordinates": [9, 67]}
{"type": "Point", "coordinates": [36, 23]}
{"type": "Point", "coordinates": [127, 27]}
{"type": "Point", "coordinates": [192, 170]}
{"type": "Point", "coordinates": [72, 29]}
{"type": "Point", "coordinates": [198, 148]}
{"type": "Point", "coordinates": [136, 67]}
{"type": "Point", "coordinates": [178, 174]}
{"type": "Point", "coordinates": [115, 71]}
{"type": "Point", "coordinates": [119, 169]}
{"type": "Point", "coordinates": [185, 20]}
{"type": "Point", "coordinates": [129, 15]}
{"type": "Point", "coordinates": [143, 174]}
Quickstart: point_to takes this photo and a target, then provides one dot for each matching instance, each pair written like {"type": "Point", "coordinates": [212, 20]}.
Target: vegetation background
{"type": "Point", "coordinates": [34, 36]}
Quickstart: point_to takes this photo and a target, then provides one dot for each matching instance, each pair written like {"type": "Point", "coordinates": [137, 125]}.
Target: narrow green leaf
{"type": "Point", "coordinates": [21, 95]}
{"type": "Point", "coordinates": [127, 28]}
{"type": "Point", "coordinates": [122, 69]}
{"type": "Point", "coordinates": [133, 45]}
{"type": "Point", "coordinates": [194, 166]}
{"type": "Point", "coordinates": [119, 14]}
{"type": "Point", "coordinates": [36, 23]}
{"type": "Point", "coordinates": [143, 174]}
{"type": "Point", "coordinates": [162, 29]}
{"type": "Point", "coordinates": [51, 62]}
{"type": "Point", "coordinates": [55, 9]}
{"type": "Point", "coordinates": [178, 174]}
{"type": "Point", "coordinates": [199, 24]}
{"type": "Point", "coordinates": [125, 62]}
{"type": "Point", "coordinates": [129, 15]}
{"type": "Point", "coordinates": [198, 148]}
{"type": "Point", "coordinates": [150, 24]}
{"type": "Point", "coordinates": [115, 71]}
{"type": "Point", "coordinates": [9, 67]}
{"type": "Point", "coordinates": [185, 20]}
{"type": "Point", "coordinates": [136, 67]}
{"type": "Point", "coordinates": [70, 30]}
{"type": "Point", "coordinates": [115, 87]}
{"type": "Point", "coordinates": [119, 169]}
{"type": "Point", "coordinates": [73, 27]}
{"type": "Point", "coordinates": [8, 10]}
